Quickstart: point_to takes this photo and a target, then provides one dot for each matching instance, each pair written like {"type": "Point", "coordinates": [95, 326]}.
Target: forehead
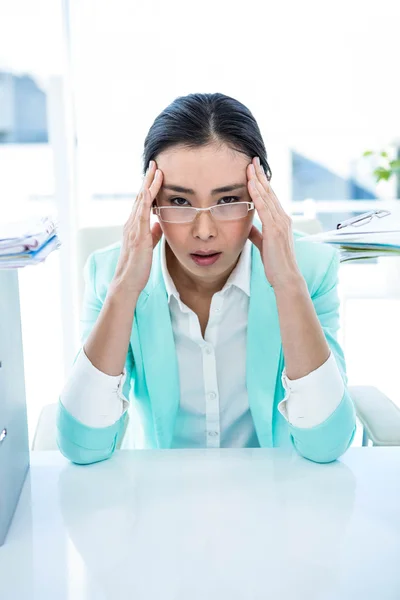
{"type": "Point", "coordinates": [202, 168]}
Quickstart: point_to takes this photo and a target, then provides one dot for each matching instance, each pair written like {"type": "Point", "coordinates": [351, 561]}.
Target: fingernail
{"type": "Point", "coordinates": [257, 161]}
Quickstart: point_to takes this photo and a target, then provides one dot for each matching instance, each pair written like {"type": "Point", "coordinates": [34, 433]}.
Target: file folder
{"type": "Point", "coordinates": [14, 444]}
{"type": "Point", "coordinates": [370, 235]}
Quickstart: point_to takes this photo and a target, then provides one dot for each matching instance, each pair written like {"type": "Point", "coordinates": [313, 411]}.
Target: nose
{"type": "Point", "coordinates": [204, 226]}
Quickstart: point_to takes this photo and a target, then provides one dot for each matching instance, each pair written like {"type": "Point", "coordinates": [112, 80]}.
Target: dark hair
{"type": "Point", "coordinates": [201, 119]}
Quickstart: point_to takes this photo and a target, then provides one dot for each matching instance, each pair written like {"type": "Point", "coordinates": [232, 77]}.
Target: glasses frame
{"type": "Point", "coordinates": [364, 218]}
{"type": "Point", "coordinates": [156, 211]}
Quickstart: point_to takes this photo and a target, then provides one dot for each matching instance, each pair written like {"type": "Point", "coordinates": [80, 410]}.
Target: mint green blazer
{"type": "Point", "coordinates": [152, 381]}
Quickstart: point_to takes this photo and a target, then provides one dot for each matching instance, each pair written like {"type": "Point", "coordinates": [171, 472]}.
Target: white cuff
{"type": "Point", "coordinates": [312, 399]}
{"type": "Point", "coordinates": [93, 397]}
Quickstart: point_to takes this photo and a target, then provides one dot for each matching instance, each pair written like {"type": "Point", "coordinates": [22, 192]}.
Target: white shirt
{"type": "Point", "coordinates": [214, 409]}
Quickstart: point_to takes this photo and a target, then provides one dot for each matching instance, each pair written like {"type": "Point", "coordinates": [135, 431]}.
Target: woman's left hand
{"type": "Point", "coordinates": [275, 242]}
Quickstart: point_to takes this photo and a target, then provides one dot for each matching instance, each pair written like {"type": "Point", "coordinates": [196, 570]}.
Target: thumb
{"type": "Point", "coordinates": [256, 237]}
{"type": "Point", "coordinates": [156, 232]}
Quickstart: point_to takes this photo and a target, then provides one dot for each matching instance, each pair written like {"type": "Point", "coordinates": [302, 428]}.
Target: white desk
{"type": "Point", "coordinates": [213, 524]}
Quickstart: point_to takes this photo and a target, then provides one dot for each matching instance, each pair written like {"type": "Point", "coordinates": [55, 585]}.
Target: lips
{"type": "Point", "coordinates": [204, 259]}
{"type": "Point", "coordinates": [205, 252]}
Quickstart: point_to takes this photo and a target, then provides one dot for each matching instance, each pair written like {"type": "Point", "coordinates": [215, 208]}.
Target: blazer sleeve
{"type": "Point", "coordinates": [330, 439]}
{"type": "Point", "coordinates": [78, 442]}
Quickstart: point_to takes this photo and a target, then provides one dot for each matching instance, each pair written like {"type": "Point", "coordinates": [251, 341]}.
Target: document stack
{"type": "Point", "coordinates": [27, 242]}
{"type": "Point", "coordinates": [372, 234]}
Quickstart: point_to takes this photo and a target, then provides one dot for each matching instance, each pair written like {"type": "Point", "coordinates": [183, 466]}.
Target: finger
{"type": "Point", "coordinates": [259, 172]}
{"type": "Point", "coordinates": [133, 214]}
{"type": "Point", "coordinates": [152, 185]}
{"type": "Point", "coordinates": [135, 207]}
{"type": "Point", "coordinates": [278, 216]}
{"type": "Point", "coordinates": [267, 185]}
{"type": "Point", "coordinates": [150, 175]}
{"type": "Point", "coordinates": [147, 180]}
{"type": "Point", "coordinates": [149, 192]}
{"type": "Point", "coordinates": [153, 191]}
{"type": "Point", "coordinates": [143, 211]}
{"type": "Point", "coordinates": [256, 237]}
{"type": "Point", "coordinates": [263, 209]}
{"type": "Point", "coordinates": [156, 232]}
{"type": "Point", "coordinates": [156, 184]}
{"type": "Point", "coordinates": [264, 196]}
{"type": "Point", "coordinates": [139, 219]}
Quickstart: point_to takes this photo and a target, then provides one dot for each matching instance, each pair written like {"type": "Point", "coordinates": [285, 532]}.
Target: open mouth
{"type": "Point", "coordinates": [205, 259]}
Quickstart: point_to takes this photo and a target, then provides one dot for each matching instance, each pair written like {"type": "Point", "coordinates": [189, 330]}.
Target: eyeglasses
{"type": "Point", "coordinates": [364, 218]}
{"type": "Point", "coordinates": [187, 214]}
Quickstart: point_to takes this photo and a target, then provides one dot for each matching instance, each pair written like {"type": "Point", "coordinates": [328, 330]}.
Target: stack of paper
{"type": "Point", "coordinates": [27, 242]}
{"type": "Point", "coordinates": [372, 234]}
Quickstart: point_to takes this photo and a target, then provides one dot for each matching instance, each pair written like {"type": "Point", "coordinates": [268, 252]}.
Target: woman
{"type": "Point", "coordinates": [219, 327]}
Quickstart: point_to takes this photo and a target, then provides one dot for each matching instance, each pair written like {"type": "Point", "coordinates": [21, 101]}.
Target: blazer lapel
{"type": "Point", "coordinates": [157, 345]}
{"type": "Point", "coordinates": [263, 350]}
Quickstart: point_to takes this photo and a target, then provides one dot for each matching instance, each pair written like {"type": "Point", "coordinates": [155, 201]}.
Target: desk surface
{"type": "Point", "coordinates": [218, 524]}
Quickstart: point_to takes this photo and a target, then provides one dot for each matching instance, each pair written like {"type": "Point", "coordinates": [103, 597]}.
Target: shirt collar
{"type": "Point", "coordinates": [240, 276]}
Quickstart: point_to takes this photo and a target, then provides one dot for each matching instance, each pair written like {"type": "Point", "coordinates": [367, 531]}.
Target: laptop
{"type": "Point", "coordinates": [14, 444]}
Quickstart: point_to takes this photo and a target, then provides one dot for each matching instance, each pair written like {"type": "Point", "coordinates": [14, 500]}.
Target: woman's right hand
{"type": "Point", "coordinates": [134, 265]}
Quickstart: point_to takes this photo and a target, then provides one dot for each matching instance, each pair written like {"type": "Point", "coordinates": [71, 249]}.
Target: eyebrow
{"type": "Point", "coordinates": [226, 188]}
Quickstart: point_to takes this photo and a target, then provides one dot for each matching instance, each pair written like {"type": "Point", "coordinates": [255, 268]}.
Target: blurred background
{"type": "Point", "coordinates": [81, 82]}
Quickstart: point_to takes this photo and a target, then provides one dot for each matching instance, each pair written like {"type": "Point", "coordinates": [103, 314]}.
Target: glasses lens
{"type": "Point", "coordinates": [222, 212]}
{"type": "Point", "coordinates": [179, 214]}
{"type": "Point", "coordinates": [363, 221]}
{"type": "Point", "coordinates": [227, 212]}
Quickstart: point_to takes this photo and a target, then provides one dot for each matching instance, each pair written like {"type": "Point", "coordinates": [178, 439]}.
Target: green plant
{"type": "Point", "coordinates": [387, 168]}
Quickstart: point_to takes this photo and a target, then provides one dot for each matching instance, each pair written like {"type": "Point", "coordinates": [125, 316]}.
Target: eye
{"type": "Point", "coordinates": [172, 200]}
{"type": "Point", "coordinates": [225, 200]}
{"type": "Point", "coordinates": [233, 198]}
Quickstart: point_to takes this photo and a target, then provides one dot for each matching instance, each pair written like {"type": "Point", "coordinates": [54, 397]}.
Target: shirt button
{"type": "Point", "coordinates": [212, 433]}
{"type": "Point", "coordinates": [208, 350]}
{"type": "Point", "coordinates": [212, 395]}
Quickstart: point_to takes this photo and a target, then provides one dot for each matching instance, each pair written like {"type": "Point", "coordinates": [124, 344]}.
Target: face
{"type": "Point", "coordinates": [203, 170]}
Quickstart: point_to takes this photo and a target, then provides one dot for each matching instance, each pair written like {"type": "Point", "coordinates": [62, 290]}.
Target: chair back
{"type": "Point", "coordinates": [90, 239]}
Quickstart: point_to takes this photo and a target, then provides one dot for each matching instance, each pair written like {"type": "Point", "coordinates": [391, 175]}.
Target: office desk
{"type": "Point", "coordinates": [207, 524]}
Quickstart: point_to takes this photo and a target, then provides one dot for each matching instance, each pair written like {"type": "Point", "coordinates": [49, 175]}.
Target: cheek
{"type": "Point", "coordinates": [174, 235]}
{"type": "Point", "coordinates": [239, 231]}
